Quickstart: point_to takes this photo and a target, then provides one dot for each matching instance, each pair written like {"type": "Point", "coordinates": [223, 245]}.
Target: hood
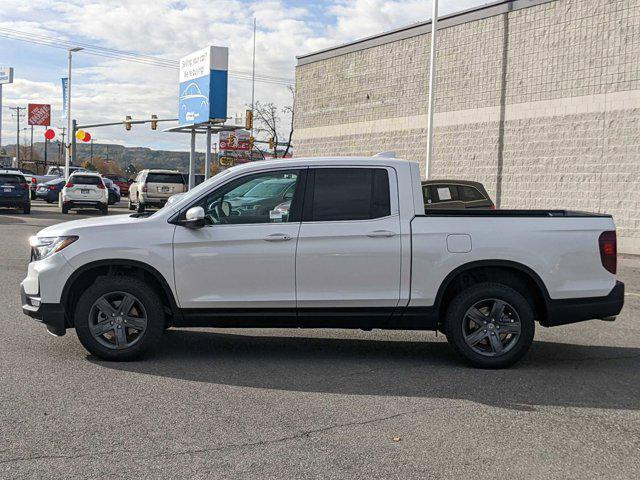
{"type": "Point", "coordinates": [73, 227]}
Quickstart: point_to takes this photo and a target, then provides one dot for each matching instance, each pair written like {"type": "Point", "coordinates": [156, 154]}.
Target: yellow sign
{"type": "Point", "coordinates": [226, 161]}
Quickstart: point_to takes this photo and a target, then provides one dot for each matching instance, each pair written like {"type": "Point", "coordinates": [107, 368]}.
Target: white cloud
{"type": "Point", "coordinates": [108, 89]}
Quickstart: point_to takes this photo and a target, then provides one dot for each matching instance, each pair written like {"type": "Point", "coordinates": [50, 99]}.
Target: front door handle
{"type": "Point", "coordinates": [381, 233]}
{"type": "Point", "coordinates": [277, 237]}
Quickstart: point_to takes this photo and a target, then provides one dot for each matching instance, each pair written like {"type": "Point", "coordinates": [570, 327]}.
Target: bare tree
{"type": "Point", "coordinates": [268, 125]}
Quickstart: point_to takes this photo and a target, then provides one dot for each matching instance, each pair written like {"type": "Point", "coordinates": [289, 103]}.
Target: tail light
{"type": "Point", "coordinates": [24, 185]}
{"type": "Point", "coordinates": [492, 207]}
{"type": "Point", "coordinates": [100, 186]}
{"type": "Point", "coordinates": [33, 180]}
{"type": "Point", "coordinates": [69, 185]}
{"type": "Point", "coordinates": [53, 188]}
{"type": "Point", "coordinates": [608, 250]}
{"type": "Point", "coordinates": [144, 187]}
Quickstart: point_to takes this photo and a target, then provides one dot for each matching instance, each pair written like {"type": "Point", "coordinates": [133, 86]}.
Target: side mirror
{"type": "Point", "coordinates": [194, 218]}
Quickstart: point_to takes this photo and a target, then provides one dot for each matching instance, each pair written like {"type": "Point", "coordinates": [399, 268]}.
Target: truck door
{"type": "Point", "coordinates": [348, 254]}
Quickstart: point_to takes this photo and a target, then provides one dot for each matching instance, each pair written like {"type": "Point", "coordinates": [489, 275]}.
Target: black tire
{"type": "Point", "coordinates": [104, 210]}
{"type": "Point", "coordinates": [32, 194]}
{"type": "Point", "coordinates": [519, 311]}
{"type": "Point", "coordinates": [26, 209]}
{"type": "Point", "coordinates": [65, 209]}
{"type": "Point", "coordinates": [148, 340]}
{"type": "Point", "coordinates": [131, 205]}
{"type": "Point", "coordinates": [139, 207]}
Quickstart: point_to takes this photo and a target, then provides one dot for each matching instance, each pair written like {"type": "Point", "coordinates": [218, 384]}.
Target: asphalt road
{"type": "Point", "coordinates": [313, 404]}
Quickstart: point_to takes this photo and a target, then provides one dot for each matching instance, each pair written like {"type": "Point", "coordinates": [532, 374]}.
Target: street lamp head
{"type": "Point", "coordinates": [76, 49]}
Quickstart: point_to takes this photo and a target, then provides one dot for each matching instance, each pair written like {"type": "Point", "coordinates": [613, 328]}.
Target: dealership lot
{"type": "Point", "coordinates": [292, 404]}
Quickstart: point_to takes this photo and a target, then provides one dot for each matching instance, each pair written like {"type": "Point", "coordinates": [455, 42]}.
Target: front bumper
{"type": "Point", "coordinates": [573, 310]}
{"type": "Point", "coordinates": [51, 314]}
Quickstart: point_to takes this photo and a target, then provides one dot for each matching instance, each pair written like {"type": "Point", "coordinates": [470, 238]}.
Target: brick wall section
{"type": "Point", "coordinates": [559, 55]}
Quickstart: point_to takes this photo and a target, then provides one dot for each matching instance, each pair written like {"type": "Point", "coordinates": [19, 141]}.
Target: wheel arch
{"type": "Point", "coordinates": [522, 278]}
{"type": "Point", "coordinates": [87, 273]}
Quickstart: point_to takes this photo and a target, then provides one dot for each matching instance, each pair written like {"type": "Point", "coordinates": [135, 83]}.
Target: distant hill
{"type": "Point", "coordinates": [139, 156]}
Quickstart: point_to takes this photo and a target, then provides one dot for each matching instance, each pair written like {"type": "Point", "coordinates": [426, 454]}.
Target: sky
{"type": "Point", "coordinates": [107, 89]}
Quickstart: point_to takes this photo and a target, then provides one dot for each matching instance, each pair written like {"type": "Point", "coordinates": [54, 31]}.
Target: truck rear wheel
{"type": "Point", "coordinates": [490, 325]}
{"type": "Point", "coordinates": [119, 318]}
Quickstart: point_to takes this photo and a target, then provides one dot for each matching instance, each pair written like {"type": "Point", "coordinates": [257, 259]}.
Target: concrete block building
{"type": "Point", "coordinates": [537, 99]}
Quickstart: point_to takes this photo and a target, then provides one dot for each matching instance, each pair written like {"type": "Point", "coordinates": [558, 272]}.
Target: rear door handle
{"type": "Point", "coordinates": [277, 237]}
{"type": "Point", "coordinates": [381, 233]}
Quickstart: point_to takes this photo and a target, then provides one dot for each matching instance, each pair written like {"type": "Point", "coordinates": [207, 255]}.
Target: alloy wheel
{"type": "Point", "coordinates": [491, 327]}
{"type": "Point", "coordinates": [117, 320]}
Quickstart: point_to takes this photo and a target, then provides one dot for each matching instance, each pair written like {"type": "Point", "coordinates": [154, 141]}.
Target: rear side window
{"type": "Point", "coordinates": [349, 194]}
{"type": "Point", "coordinates": [165, 178]}
{"type": "Point", "coordinates": [11, 179]}
{"type": "Point", "coordinates": [439, 193]}
{"type": "Point", "coordinates": [469, 194]}
{"type": "Point", "coordinates": [85, 180]}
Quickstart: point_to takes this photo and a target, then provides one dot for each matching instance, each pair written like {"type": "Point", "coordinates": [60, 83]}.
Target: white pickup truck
{"type": "Point", "coordinates": [323, 243]}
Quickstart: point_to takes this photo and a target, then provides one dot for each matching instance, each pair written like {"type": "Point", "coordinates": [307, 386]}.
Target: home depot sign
{"type": "Point", "coordinates": [39, 114]}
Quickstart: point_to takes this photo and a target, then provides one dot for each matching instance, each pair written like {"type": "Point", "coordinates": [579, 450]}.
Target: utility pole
{"type": "Point", "coordinates": [63, 146]}
{"type": "Point", "coordinates": [253, 74]}
{"type": "Point", "coordinates": [91, 155]}
{"type": "Point", "coordinates": [31, 148]}
{"type": "Point", "coordinates": [432, 87]}
{"type": "Point", "coordinates": [71, 132]}
{"type": "Point", "coordinates": [17, 110]}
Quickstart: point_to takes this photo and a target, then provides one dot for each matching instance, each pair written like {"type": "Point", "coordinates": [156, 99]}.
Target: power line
{"type": "Point", "coordinates": [128, 56]}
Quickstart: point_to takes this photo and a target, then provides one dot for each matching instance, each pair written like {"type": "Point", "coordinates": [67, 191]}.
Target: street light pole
{"type": "Point", "coordinates": [70, 132]}
{"type": "Point", "coordinates": [432, 86]}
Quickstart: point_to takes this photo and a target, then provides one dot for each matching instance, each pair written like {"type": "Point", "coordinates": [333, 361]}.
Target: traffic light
{"type": "Point", "coordinates": [232, 138]}
{"type": "Point", "coordinates": [251, 140]}
{"type": "Point", "coordinates": [154, 122]}
{"type": "Point", "coordinates": [248, 120]}
{"type": "Point", "coordinates": [127, 122]}
{"type": "Point", "coordinates": [271, 143]}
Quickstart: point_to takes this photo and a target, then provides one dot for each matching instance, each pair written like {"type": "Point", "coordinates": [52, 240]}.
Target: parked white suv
{"type": "Point", "coordinates": [85, 190]}
{"type": "Point", "coordinates": [354, 249]}
{"type": "Point", "coordinates": [152, 188]}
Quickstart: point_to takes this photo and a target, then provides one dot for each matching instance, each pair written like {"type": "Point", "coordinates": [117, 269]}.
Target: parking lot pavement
{"type": "Point", "coordinates": [313, 404]}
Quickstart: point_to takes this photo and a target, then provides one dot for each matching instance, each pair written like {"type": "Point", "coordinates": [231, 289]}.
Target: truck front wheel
{"type": "Point", "coordinates": [490, 325]}
{"type": "Point", "coordinates": [119, 318]}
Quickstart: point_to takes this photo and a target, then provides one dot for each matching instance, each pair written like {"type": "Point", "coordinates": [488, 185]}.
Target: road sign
{"type": "Point", "coordinates": [39, 114]}
{"type": "Point", "coordinates": [6, 75]}
{"type": "Point", "coordinates": [203, 86]}
{"type": "Point", "coordinates": [237, 140]}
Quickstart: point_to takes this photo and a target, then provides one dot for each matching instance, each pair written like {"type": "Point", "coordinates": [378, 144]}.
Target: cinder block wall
{"type": "Point", "coordinates": [541, 104]}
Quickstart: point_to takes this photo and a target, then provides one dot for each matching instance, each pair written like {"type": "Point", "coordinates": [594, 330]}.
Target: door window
{"type": "Point", "coordinates": [439, 193]}
{"type": "Point", "coordinates": [347, 194]}
{"type": "Point", "coordinates": [469, 194]}
{"type": "Point", "coordinates": [261, 198]}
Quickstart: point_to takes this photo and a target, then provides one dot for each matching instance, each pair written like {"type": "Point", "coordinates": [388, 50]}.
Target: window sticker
{"type": "Point", "coordinates": [444, 193]}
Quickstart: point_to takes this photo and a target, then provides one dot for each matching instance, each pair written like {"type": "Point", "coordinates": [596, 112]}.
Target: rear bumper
{"type": "Point", "coordinates": [85, 203]}
{"type": "Point", "coordinates": [51, 314]}
{"type": "Point", "coordinates": [14, 201]}
{"type": "Point", "coordinates": [572, 310]}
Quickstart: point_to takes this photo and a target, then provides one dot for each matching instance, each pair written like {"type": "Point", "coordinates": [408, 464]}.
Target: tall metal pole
{"type": "Point", "coordinates": [207, 156]}
{"type": "Point", "coordinates": [192, 161]}
{"type": "Point", "coordinates": [73, 143]}
{"type": "Point", "coordinates": [31, 148]}
{"type": "Point", "coordinates": [432, 86]}
{"type": "Point", "coordinates": [91, 151]}
{"type": "Point", "coordinates": [70, 133]}
{"type": "Point", "coordinates": [253, 74]}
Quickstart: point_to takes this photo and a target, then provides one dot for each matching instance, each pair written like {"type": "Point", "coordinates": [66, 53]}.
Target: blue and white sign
{"type": "Point", "coordinates": [6, 75]}
{"type": "Point", "coordinates": [65, 96]}
{"type": "Point", "coordinates": [203, 86]}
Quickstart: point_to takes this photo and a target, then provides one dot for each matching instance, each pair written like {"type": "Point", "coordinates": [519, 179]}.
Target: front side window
{"type": "Point", "coordinates": [348, 194]}
{"type": "Point", "coordinates": [261, 198]}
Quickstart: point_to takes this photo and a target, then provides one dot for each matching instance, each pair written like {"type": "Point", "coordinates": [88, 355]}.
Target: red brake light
{"type": "Point", "coordinates": [144, 187]}
{"type": "Point", "coordinates": [24, 185]}
{"type": "Point", "coordinates": [101, 186]}
{"type": "Point", "coordinates": [53, 187]}
{"type": "Point", "coordinates": [608, 250]}
{"type": "Point", "coordinates": [69, 185]}
{"type": "Point", "coordinates": [33, 180]}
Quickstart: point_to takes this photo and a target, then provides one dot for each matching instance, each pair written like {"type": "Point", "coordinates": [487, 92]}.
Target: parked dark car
{"type": "Point", "coordinates": [50, 191]}
{"type": "Point", "coordinates": [14, 191]}
{"type": "Point", "coordinates": [114, 190]}
{"type": "Point", "coordinates": [455, 194]}
{"type": "Point", "coordinates": [122, 182]}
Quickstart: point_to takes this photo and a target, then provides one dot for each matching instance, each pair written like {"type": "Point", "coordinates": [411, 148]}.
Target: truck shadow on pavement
{"type": "Point", "coordinates": [552, 374]}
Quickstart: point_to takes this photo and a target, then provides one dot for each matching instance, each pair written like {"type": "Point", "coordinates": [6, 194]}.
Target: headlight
{"type": "Point", "coordinates": [43, 247]}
